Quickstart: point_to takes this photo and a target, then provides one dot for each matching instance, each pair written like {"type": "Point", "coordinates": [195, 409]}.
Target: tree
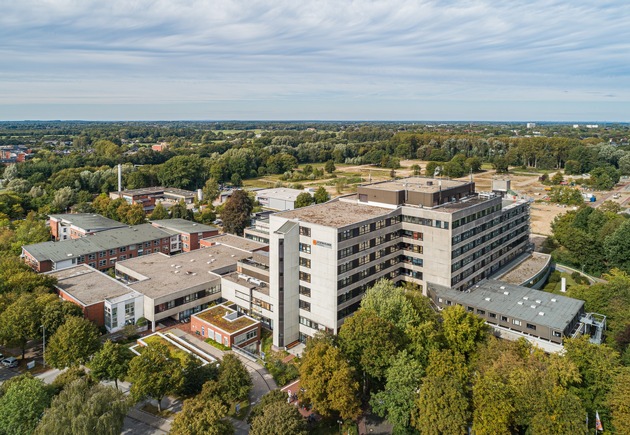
{"type": "Point", "coordinates": [463, 331]}
{"type": "Point", "coordinates": [111, 362]}
{"type": "Point", "coordinates": [236, 212]}
{"type": "Point", "coordinates": [82, 408]}
{"type": "Point", "coordinates": [274, 396]}
{"type": "Point", "coordinates": [390, 303]}
{"type": "Point", "coordinates": [321, 195]}
{"type": "Point", "coordinates": [184, 172]}
{"type": "Point", "coordinates": [195, 375]}
{"type": "Point", "coordinates": [181, 211]}
{"type": "Point", "coordinates": [63, 199]}
{"type": "Point", "coordinates": [234, 379]}
{"type": "Point", "coordinates": [617, 247]}
{"type": "Point", "coordinates": [442, 406]}
{"type": "Point", "coordinates": [159, 212]}
{"type": "Point", "coordinates": [330, 166]}
{"type": "Point", "coordinates": [370, 343]}
{"type": "Point", "coordinates": [566, 195]}
{"type": "Point", "coordinates": [74, 343]}
{"type": "Point", "coordinates": [329, 381]}
{"type": "Point", "coordinates": [135, 215]}
{"type": "Point", "coordinates": [200, 416]}
{"type": "Point", "coordinates": [20, 321]}
{"type": "Point", "coordinates": [211, 190]}
{"type": "Point", "coordinates": [396, 401]}
{"type": "Point", "coordinates": [304, 199]}
{"type": "Point", "coordinates": [22, 404]}
{"type": "Point", "coordinates": [30, 230]}
{"type": "Point", "coordinates": [557, 178]}
{"type": "Point", "coordinates": [55, 312]}
{"type": "Point", "coordinates": [278, 418]}
{"type": "Point", "coordinates": [619, 401]}
{"type": "Point", "coordinates": [154, 373]}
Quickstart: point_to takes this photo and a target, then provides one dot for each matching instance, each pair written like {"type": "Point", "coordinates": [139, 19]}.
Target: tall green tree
{"type": "Point", "coordinates": [234, 379]}
{"type": "Point", "coordinates": [443, 404]}
{"type": "Point", "coordinates": [82, 408]}
{"type": "Point", "coordinates": [278, 418]}
{"type": "Point", "coordinates": [236, 214]}
{"type": "Point", "coordinates": [463, 331]}
{"type": "Point", "coordinates": [396, 401]}
{"type": "Point", "coordinates": [55, 312]}
{"type": "Point", "coordinates": [329, 381]}
{"type": "Point", "coordinates": [159, 212]}
{"type": "Point", "coordinates": [111, 362]}
{"type": "Point", "coordinates": [304, 199]}
{"type": "Point", "coordinates": [195, 375]}
{"type": "Point", "coordinates": [20, 322]}
{"type": "Point", "coordinates": [73, 344]}
{"type": "Point", "coordinates": [390, 303]}
{"type": "Point", "coordinates": [619, 401]}
{"type": "Point", "coordinates": [22, 404]}
{"type": "Point", "coordinates": [154, 373]}
{"type": "Point", "coordinates": [201, 416]}
{"type": "Point", "coordinates": [321, 195]}
{"type": "Point", "coordinates": [211, 190]}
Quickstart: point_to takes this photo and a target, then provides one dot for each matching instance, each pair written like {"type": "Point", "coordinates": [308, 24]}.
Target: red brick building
{"type": "Point", "coordinates": [100, 251]}
{"type": "Point", "coordinates": [77, 225]}
{"type": "Point", "coordinates": [188, 233]}
{"type": "Point", "coordinates": [225, 325]}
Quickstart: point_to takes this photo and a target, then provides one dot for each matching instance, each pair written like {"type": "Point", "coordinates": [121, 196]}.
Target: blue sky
{"type": "Point", "coordinates": [540, 60]}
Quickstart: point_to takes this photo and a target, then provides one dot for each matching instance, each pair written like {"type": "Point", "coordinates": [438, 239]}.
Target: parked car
{"type": "Point", "coordinates": [10, 362]}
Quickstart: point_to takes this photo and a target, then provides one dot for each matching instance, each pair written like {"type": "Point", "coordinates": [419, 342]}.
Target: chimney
{"type": "Point", "coordinates": [200, 194]}
{"type": "Point", "coordinates": [563, 285]}
{"type": "Point", "coordinates": [119, 177]}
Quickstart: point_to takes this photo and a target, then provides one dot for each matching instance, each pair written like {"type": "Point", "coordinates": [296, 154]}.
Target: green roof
{"type": "Point", "coordinates": [103, 241]}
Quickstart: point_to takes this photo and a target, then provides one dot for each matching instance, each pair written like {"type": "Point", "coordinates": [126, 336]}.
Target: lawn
{"type": "Point", "coordinates": [331, 427]}
{"type": "Point", "coordinates": [219, 346]}
{"type": "Point", "coordinates": [554, 287]}
{"type": "Point", "coordinates": [175, 351]}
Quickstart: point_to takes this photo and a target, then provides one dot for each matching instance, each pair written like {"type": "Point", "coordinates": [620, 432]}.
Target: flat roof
{"type": "Point", "coordinates": [416, 184]}
{"type": "Point", "coordinates": [239, 278]}
{"type": "Point", "coordinates": [558, 311]}
{"type": "Point", "coordinates": [165, 274]}
{"type": "Point", "coordinates": [102, 241]}
{"type": "Point", "coordinates": [183, 226]}
{"type": "Point", "coordinates": [529, 267]}
{"type": "Point", "coordinates": [156, 190]}
{"type": "Point", "coordinates": [335, 213]}
{"type": "Point", "coordinates": [280, 193]}
{"type": "Point", "coordinates": [88, 221]}
{"type": "Point", "coordinates": [235, 242]}
{"type": "Point", "coordinates": [215, 316]}
{"type": "Point", "coordinates": [87, 285]}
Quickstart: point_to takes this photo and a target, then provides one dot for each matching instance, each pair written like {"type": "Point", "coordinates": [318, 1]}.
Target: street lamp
{"type": "Point", "coordinates": [340, 423]}
{"type": "Point", "coordinates": [44, 355]}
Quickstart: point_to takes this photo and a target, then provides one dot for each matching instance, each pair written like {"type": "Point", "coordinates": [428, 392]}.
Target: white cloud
{"type": "Point", "coordinates": [340, 52]}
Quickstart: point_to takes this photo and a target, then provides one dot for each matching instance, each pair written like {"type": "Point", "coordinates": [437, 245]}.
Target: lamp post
{"type": "Point", "coordinates": [44, 355]}
{"type": "Point", "coordinates": [340, 423]}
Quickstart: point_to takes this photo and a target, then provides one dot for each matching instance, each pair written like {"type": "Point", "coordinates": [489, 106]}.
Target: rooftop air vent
{"type": "Point", "coordinates": [506, 293]}
{"type": "Point", "coordinates": [520, 302]}
{"type": "Point", "coordinates": [554, 300]}
{"type": "Point", "coordinates": [538, 301]}
{"type": "Point", "coordinates": [533, 306]}
{"type": "Point", "coordinates": [541, 313]}
{"type": "Point", "coordinates": [172, 265]}
{"type": "Point", "coordinates": [502, 287]}
{"type": "Point", "coordinates": [526, 298]}
{"type": "Point", "coordinates": [488, 299]}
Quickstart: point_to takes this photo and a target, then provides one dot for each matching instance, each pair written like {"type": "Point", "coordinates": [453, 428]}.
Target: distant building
{"type": "Point", "coordinates": [104, 300]}
{"type": "Point", "coordinates": [100, 251]}
{"type": "Point", "coordinates": [148, 197]}
{"type": "Point", "coordinates": [187, 234]}
{"type": "Point", "coordinates": [531, 125]}
{"type": "Point", "coordinates": [226, 325]}
{"type": "Point", "coordinates": [77, 225]}
{"type": "Point", "coordinates": [279, 199]}
{"type": "Point", "coordinates": [159, 147]}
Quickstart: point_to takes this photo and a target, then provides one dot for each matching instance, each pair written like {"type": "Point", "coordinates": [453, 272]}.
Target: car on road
{"type": "Point", "coordinates": [10, 362]}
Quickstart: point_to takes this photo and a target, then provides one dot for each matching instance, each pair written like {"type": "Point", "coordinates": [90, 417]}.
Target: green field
{"type": "Point", "coordinates": [175, 351]}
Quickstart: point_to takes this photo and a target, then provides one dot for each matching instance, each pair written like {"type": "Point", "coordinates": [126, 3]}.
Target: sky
{"type": "Point", "coordinates": [494, 60]}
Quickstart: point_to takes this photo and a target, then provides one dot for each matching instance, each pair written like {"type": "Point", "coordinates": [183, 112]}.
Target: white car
{"type": "Point", "coordinates": [10, 362]}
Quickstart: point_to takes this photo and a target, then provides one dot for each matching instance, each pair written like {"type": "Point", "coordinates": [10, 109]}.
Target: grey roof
{"type": "Point", "coordinates": [335, 213]}
{"type": "Point", "coordinates": [88, 221]}
{"type": "Point", "coordinates": [283, 193]}
{"type": "Point", "coordinates": [166, 274]}
{"type": "Point", "coordinates": [67, 249]}
{"type": "Point", "coordinates": [235, 242]}
{"type": "Point", "coordinates": [517, 303]}
{"type": "Point", "coordinates": [183, 226]}
{"type": "Point", "coordinates": [416, 184]}
{"type": "Point", "coordinates": [88, 286]}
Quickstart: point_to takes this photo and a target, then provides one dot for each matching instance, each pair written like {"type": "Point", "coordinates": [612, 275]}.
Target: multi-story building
{"type": "Point", "coordinates": [100, 251]}
{"type": "Point", "coordinates": [185, 234]}
{"type": "Point", "coordinates": [77, 225]}
{"type": "Point", "coordinates": [280, 198]}
{"type": "Point", "coordinates": [148, 197]}
{"type": "Point", "coordinates": [324, 257]}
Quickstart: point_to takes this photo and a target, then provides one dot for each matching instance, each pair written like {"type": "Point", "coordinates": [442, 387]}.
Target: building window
{"type": "Point", "coordinates": [380, 224]}
{"type": "Point", "coordinates": [364, 229]}
{"type": "Point", "coordinates": [364, 259]}
{"type": "Point", "coordinates": [123, 249]}
{"type": "Point", "coordinates": [516, 322]}
{"type": "Point", "coordinates": [305, 262]}
{"type": "Point", "coordinates": [305, 291]}
{"type": "Point", "coordinates": [92, 257]}
{"type": "Point", "coordinates": [102, 263]}
{"type": "Point", "coordinates": [203, 331]}
{"type": "Point", "coordinates": [92, 265]}
{"type": "Point", "coordinates": [531, 326]}
{"type": "Point", "coordinates": [504, 319]}
{"type": "Point", "coordinates": [481, 312]}
{"type": "Point", "coordinates": [305, 277]}
{"type": "Point", "coordinates": [129, 310]}
{"type": "Point", "coordinates": [305, 247]}
{"type": "Point", "coordinates": [305, 231]}
{"type": "Point", "coordinates": [364, 245]}
{"type": "Point", "coordinates": [306, 306]}
{"type": "Point", "coordinates": [102, 254]}
{"type": "Point", "coordinates": [470, 309]}
{"type": "Point", "coordinates": [112, 260]}
{"type": "Point", "coordinates": [557, 334]}
{"type": "Point", "coordinates": [345, 252]}
{"type": "Point", "coordinates": [112, 252]}
{"type": "Point", "coordinates": [492, 315]}
{"type": "Point", "coordinates": [345, 235]}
